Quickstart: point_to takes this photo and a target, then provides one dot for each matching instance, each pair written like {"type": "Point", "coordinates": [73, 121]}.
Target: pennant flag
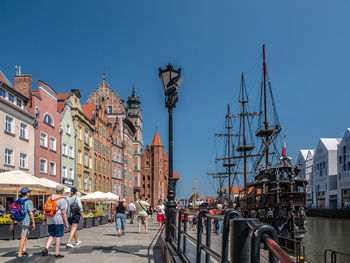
{"type": "Point", "coordinates": [284, 150]}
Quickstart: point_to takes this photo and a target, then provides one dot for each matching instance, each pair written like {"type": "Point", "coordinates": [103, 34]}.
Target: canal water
{"type": "Point", "coordinates": [326, 233]}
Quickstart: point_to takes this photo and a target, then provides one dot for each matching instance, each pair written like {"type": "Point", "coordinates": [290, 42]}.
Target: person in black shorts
{"type": "Point", "coordinates": [75, 213]}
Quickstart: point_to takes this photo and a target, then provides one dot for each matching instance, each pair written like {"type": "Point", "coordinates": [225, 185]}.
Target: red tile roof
{"type": "Point", "coordinates": [63, 96]}
{"type": "Point", "coordinates": [156, 140]}
{"type": "Point", "coordinates": [175, 175]}
{"type": "Point", "coordinates": [88, 110]}
{"type": "Point", "coordinates": [3, 79]}
{"type": "Point", "coordinates": [60, 106]}
{"type": "Point", "coordinates": [165, 158]}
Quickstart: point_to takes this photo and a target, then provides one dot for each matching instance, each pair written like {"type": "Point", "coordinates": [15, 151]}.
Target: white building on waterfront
{"type": "Point", "coordinates": [305, 160]}
{"type": "Point", "coordinates": [324, 174]}
{"type": "Point", "coordinates": [344, 169]}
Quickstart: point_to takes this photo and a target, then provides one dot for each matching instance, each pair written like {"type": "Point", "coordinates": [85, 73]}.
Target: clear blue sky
{"type": "Point", "coordinates": [69, 44]}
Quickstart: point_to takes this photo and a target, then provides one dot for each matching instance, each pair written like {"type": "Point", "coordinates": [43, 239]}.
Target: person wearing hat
{"type": "Point", "coordinates": [75, 213]}
{"type": "Point", "coordinates": [56, 223]}
{"type": "Point", "coordinates": [26, 222]}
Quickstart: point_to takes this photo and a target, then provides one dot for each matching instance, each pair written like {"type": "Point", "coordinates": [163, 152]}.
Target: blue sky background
{"type": "Point", "coordinates": [69, 44]}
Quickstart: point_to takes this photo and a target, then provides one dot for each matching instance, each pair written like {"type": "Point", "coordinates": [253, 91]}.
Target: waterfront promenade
{"type": "Point", "coordinates": [99, 244]}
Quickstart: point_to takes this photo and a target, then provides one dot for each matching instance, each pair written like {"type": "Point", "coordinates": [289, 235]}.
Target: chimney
{"type": "Point", "coordinates": [23, 84]}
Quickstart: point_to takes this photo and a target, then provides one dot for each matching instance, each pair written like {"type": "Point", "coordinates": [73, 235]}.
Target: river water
{"type": "Point", "coordinates": [326, 233]}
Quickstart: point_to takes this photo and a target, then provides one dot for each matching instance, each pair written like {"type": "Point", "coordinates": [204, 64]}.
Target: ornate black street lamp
{"type": "Point", "coordinates": [171, 80]}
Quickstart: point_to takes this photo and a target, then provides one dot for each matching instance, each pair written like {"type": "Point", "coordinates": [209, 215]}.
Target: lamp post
{"type": "Point", "coordinates": [171, 80]}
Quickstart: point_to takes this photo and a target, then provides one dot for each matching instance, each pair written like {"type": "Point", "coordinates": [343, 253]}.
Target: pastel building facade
{"type": "Point", "coordinates": [68, 140]}
{"type": "Point", "coordinates": [16, 129]}
{"type": "Point", "coordinates": [83, 144]}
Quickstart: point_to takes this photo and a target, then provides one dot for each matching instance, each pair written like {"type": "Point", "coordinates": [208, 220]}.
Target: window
{"type": "Point", "coordinates": [71, 152]}
{"type": "Point", "coordinates": [104, 150]}
{"type": "Point", "coordinates": [110, 125]}
{"type": "Point", "coordinates": [86, 181]}
{"type": "Point", "coordinates": [116, 141]}
{"type": "Point", "coordinates": [100, 147]}
{"type": "Point", "coordinates": [8, 156]}
{"type": "Point", "coordinates": [108, 153]}
{"type": "Point", "coordinates": [90, 162]}
{"type": "Point", "coordinates": [114, 189]}
{"type": "Point", "coordinates": [79, 181]}
{"type": "Point", "coordinates": [52, 143]}
{"type": "Point", "coordinates": [64, 149]}
{"type": "Point", "coordinates": [52, 168]}
{"type": "Point", "coordinates": [95, 145]}
{"type": "Point", "coordinates": [86, 158]}
{"type": "Point", "coordinates": [48, 119]}
{"type": "Point", "coordinates": [114, 172]}
{"type": "Point", "coordinates": [86, 137]}
{"type": "Point", "coordinates": [43, 165]}
{"type": "Point", "coordinates": [79, 157]}
{"type": "Point", "coordinates": [119, 158]}
{"type": "Point", "coordinates": [110, 109]}
{"type": "Point", "coordinates": [3, 93]}
{"type": "Point", "coordinates": [68, 131]}
{"type": "Point", "coordinates": [43, 139]}
{"type": "Point", "coordinates": [99, 130]}
{"type": "Point", "coordinates": [79, 133]}
{"type": "Point", "coordinates": [90, 142]}
{"type": "Point", "coordinates": [71, 173]}
{"type": "Point", "coordinates": [104, 132]}
{"type": "Point", "coordinates": [119, 190]}
{"type": "Point", "coordinates": [23, 160]}
{"type": "Point", "coordinates": [64, 171]}
{"type": "Point", "coordinates": [9, 124]}
{"type": "Point", "coordinates": [19, 103]}
{"type": "Point", "coordinates": [89, 185]}
{"type": "Point", "coordinates": [11, 98]}
{"type": "Point", "coordinates": [23, 131]}
{"type": "Point", "coordinates": [119, 174]}
{"type": "Point", "coordinates": [114, 156]}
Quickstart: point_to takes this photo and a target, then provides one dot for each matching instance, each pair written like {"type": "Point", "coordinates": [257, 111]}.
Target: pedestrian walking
{"type": "Point", "coordinates": [160, 213]}
{"type": "Point", "coordinates": [131, 209]}
{"type": "Point", "coordinates": [142, 213]}
{"type": "Point", "coordinates": [55, 219]}
{"type": "Point", "coordinates": [120, 217]}
{"type": "Point", "coordinates": [75, 214]}
{"type": "Point", "coordinates": [22, 211]}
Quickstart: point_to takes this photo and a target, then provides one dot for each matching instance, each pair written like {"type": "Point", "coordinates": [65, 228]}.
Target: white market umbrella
{"type": "Point", "coordinates": [112, 197]}
{"type": "Point", "coordinates": [11, 182]}
{"type": "Point", "coordinates": [52, 184]}
{"type": "Point", "coordinates": [95, 197]}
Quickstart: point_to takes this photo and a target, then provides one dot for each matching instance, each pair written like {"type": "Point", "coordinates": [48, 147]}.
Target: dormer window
{"type": "Point", "coordinates": [48, 119]}
{"type": "Point", "coordinates": [11, 98]}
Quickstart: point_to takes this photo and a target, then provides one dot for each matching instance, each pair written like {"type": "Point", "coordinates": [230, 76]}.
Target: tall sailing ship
{"type": "Point", "coordinates": [274, 193]}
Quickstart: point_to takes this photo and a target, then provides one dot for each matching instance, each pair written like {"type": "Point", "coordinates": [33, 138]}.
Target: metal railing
{"type": "Point", "coordinates": [335, 256]}
{"type": "Point", "coordinates": [242, 238]}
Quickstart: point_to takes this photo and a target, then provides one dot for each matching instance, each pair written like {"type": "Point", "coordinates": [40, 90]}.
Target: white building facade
{"type": "Point", "coordinates": [325, 174]}
{"type": "Point", "coordinates": [344, 169]}
{"type": "Point", "coordinates": [305, 160]}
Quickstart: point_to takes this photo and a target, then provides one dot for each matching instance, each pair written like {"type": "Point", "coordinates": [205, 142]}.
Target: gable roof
{"type": "Point", "coordinates": [88, 110]}
{"type": "Point", "coordinates": [165, 158]}
{"type": "Point", "coordinates": [156, 140]}
{"type": "Point", "coordinates": [60, 106]}
{"type": "Point", "coordinates": [3, 79]}
{"type": "Point", "coordinates": [63, 96]}
{"type": "Point", "coordinates": [331, 143]}
{"type": "Point", "coordinates": [175, 175]}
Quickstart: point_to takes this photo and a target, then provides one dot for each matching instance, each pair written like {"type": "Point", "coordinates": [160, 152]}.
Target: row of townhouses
{"type": "Point", "coordinates": [327, 170]}
{"type": "Point", "coordinates": [94, 146]}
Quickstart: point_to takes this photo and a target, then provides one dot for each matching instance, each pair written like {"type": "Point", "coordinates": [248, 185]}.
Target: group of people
{"type": "Point", "coordinates": [141, 208]}
{"type": "Point", "coordinates": [59, 212]}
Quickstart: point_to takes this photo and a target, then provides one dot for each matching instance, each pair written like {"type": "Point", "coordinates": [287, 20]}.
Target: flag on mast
{"type": "Point", "coordinates": [284, 150]}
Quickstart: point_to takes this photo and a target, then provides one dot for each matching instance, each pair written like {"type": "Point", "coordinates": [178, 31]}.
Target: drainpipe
{"type": "Point", "coordinates": [35, 124]}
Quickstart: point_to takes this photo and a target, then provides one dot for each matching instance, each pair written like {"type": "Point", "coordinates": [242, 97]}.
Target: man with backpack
{"type": "Point", "coordinates": [142, 213]}
{"type": "Point", "coordinates": [75, 213]}
{"type": "Point", "coordinates": [22, 211]}
{"type": "Point", "coordinates": [56, 220]}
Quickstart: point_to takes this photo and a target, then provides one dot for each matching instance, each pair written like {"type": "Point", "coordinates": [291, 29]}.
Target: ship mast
{"type": "Point", "coordinates": [265, 110]}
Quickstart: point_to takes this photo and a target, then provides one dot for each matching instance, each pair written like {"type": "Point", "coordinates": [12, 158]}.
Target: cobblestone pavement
{"type": "Point", "coordinates": [99, 244]}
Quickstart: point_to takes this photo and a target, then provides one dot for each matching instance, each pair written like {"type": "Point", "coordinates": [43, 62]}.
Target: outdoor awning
{"type": "Point", "coordinates": [11, 182]}
{"type": "Point", "coordinates": [99, 197]}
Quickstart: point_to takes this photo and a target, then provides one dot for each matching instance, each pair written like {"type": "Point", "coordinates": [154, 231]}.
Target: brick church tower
{"type": "Point", "coordinates": [154, 171]}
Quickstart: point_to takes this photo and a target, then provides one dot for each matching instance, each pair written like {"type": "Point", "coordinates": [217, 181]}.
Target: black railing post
{"type": "Point", "coordinates": [199, 235]}
{"type": "Point", "coordinates": [179, 233]}
{"type": "Point", "coordinates": [208, 239]}
{"type": "Point", "coordinates": [185, 231]}
{"type": "Point", "coordinates": [225, 234]}
{"type": "Point", "coordinates": [240, 240]}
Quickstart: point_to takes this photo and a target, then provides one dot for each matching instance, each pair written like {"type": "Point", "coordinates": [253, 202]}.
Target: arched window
{"type": "Point", "coordinates": [48, 119]}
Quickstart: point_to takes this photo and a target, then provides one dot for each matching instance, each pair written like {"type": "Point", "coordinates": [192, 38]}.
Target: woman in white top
{"type": "Point", "coordinates": [160, 213]}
